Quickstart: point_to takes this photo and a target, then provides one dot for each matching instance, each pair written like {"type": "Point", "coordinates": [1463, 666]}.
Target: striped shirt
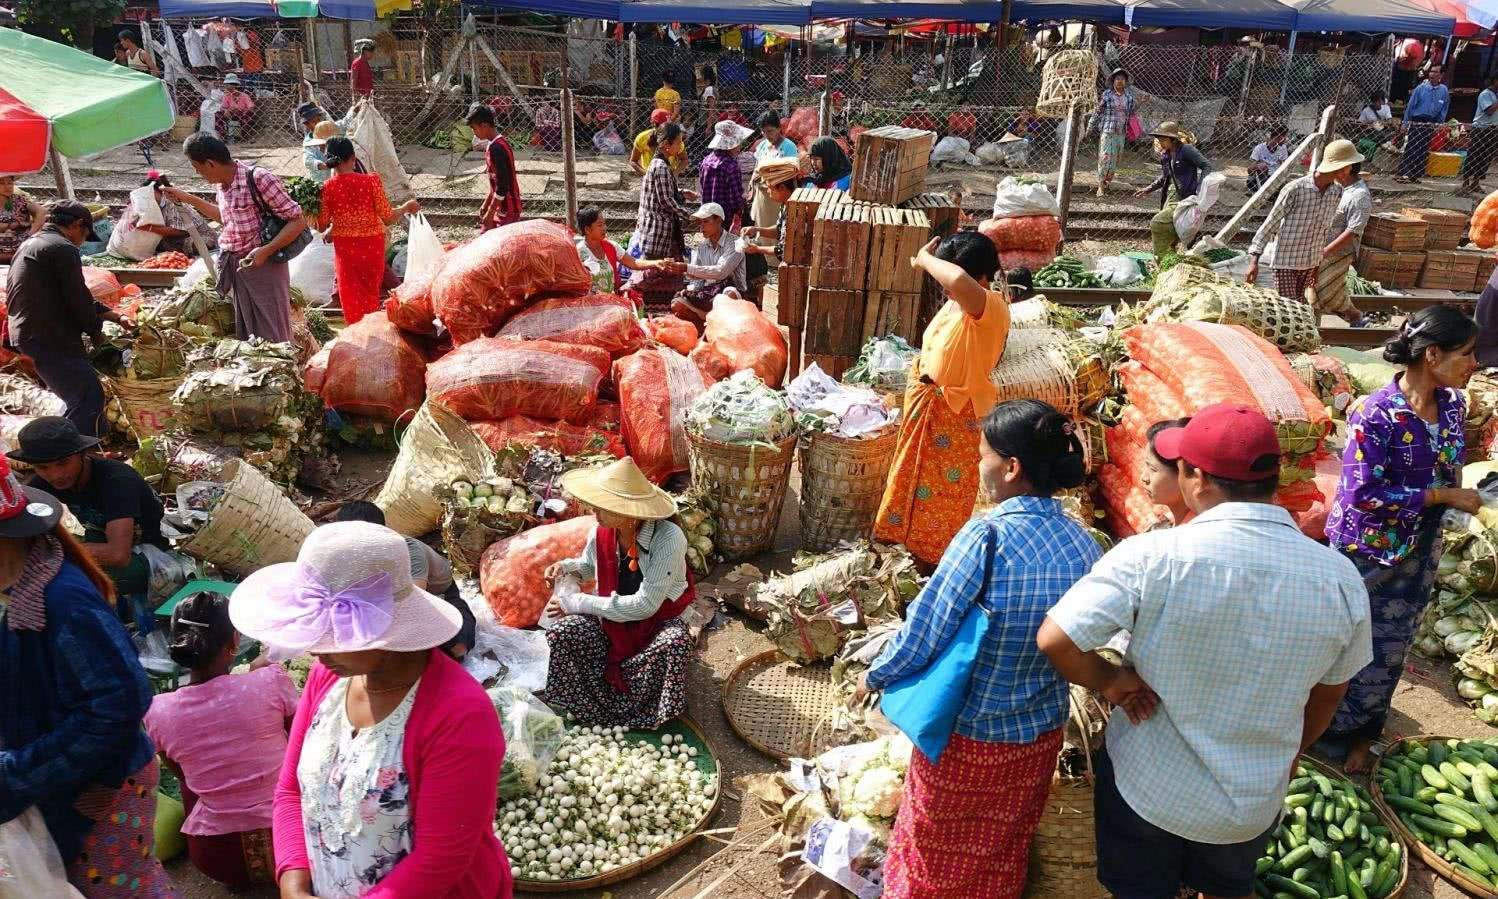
{"type": "Point", "coordinates": [1018, 560]}
{"type": "Point", "coordinates": [1113, 112]}
{"type": "Point", "coordinates": [1302, 219]}
{"type": "Point", "coordinates": [663, 568]}
{"type": "Point", "coordinates": [1235, 617]}
{"type": "Point", "coordinates": [1353, 212]}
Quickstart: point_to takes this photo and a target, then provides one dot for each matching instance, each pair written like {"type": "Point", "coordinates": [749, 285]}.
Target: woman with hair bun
{"type": "Point", "coordinates": [1401, 469]}
{"type": "Point", "coordinates": [356, 213]}
{"type": "Point", "coordinates": [965, 821]}
{"type": "Point", "coordinates": [225, 736]}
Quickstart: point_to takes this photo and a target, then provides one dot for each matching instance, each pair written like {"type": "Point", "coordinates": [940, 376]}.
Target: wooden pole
{"type": "Point", "coordinates": [62, 173]}
{"type": "Point", "coordinates": [1068, 162]}
{"type": "Point", "coordinates": [1269, 188]}
{"type": "Point", "coordinates": [569, 156]}
{"type": "Point", "coordinates": [824, 115]}
{"type": "Point", "coordinates": [1325, 132]}
{"type": "Point", "coordinates": [946, 62]}
{"type": "Point", "coordinates": [504, 75]}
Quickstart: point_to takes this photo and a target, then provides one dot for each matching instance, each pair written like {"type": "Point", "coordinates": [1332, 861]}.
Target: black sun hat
{"type": "Point", "coordinates": [48, 439]}
{"type": "Point", "coordinates": [25, 511]}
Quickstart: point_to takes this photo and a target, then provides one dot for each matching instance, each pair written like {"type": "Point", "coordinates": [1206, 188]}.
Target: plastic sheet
{"type": "Point", "coordinates": [656, 387]}
{"type": "Point", "coordinates": [374, 371]}
{"type": "Point", "coordinates": [494, 378]}
{"type": "Point", "coordinates": [747, 338]}
{"type": "Point", "coordinates": [409, 306]}
{"type": "Point", "coordinates": [485, 281]}
{"type": "Point", "coordinates": [512, 571]}
{"type": "Point", "coordinates": [1023, 232]}
{"type": "Point", "coordinates": [102, 283]}
{"type": "Point", "coordinates": [601, 320]}
{"type": "Point", "coordinates": [557, 436]}
{"type": "Point", "coordinates": [676, 333]}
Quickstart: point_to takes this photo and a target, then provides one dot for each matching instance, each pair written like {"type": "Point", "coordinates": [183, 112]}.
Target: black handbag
{"type": "Point", "coordinates": [271, 225]}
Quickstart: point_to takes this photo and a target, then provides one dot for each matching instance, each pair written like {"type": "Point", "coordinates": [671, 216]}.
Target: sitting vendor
{"type": "Point", "coordinates": [131, 239]}
{"type": "Point", "coordinates": [717, 264]}
{"type": "Point", "coordinates": [116, 507]}
{"type": "Point", "coordinates": [619, 654]}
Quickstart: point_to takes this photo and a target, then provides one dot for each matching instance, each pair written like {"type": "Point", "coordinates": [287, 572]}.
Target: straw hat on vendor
{"type": "Point", "coordinates": [776, 178]}
{"type": "Point", "coordinates": [619, 654]}
{"type": "Point", "coordinates": [420, 725]}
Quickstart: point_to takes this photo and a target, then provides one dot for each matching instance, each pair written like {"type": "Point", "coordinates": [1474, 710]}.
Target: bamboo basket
{"type": "Point", "coordinates": [147, 405]}
{"type": "Point", "coordinates": [1443, 868]}
{"type": "Point", "coordinates": [842, 482]}
{"type": "Point", "coordinates": [748, 485]}
{"type": "Point", "coordinates": [1070, 77]}
{"type": "Point", "coordinates": [775, 705]}
{"type": "Point", "coordinates": [1063, 853]}
{"type": "Point", "coordinates": [438, 448]}
{"type": "Point", "coordinates": [253, 526]}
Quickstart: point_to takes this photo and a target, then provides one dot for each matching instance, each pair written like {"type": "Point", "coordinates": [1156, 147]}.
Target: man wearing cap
{"type": "Point", "coordinates": [718, 175]}
{"type": "Point", "coordinates": [1301, 219]}
{"type": "Point", "coordinates": [360, 75]}
{"type": "Point", "coordinates": [1215, 703]}
{"type": "Point", "coordinates": [50, 308]}
{"type": "Point", "coordinates": [1182, 168]}
{"type": "Point", "coordinates": [716, 264]}
{"type": "Point", "coordinates": [502, 202]}
{"type": "Point", "coordinates": [236, 110]}
{"type": "Point", "coordinates": [117, 508]}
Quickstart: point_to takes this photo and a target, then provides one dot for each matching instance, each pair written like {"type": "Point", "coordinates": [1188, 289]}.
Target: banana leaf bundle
{"type": "Point", "coordinates": [813, 610]}
{"type": "Point", "coordinates": [159, 352]}
{"type": "Point", "coordinates": [239, 386]}
{"type": "Point", "coordinates": [199, 312]}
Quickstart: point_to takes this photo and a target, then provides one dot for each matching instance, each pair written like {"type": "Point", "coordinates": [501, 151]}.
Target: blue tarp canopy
{"type": "Point", "coordinates": [1265, 15]}
{"type": "Point", "coordinates": [804, 12]}
{"type": "Point", "coordinates": [239, 9]}
{"type": "Point", "coordinates": [1375, 16]}
{"type": "Point", "coordinates": [709, 12]}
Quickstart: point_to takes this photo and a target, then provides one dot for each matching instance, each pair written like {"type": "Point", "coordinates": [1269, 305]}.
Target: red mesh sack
{"type": "Point", "coordinates": [315, 372]}
{"type": "Point", "coordinates": [656, 387]}
{"type": "Point", "coordinates": [493, 378]}
{"type": "Point", "coordinates": [1151, 397]}
{"type": "Point", "coordinates": [747, 338]}
{"type": "Point", "coordinates": [1034, 260]}
{"type": "Point", "coordinates": [374, 371]}
{"type": "Point", "coordinates": [601, 319]}
{"type": "Point", "coordinates": [512, 571]}
{"type": "Point", "coordinates": [1023, 232]}
{"type": "Point", "coordinates": [1128, 507]}
{"type": "Point", "coordinates": [713, 364]}
{"type": "Point", "coordinates": [557, 436]}
{"type": "Point", "coordinates": [1312, 522]}
{"type": "Point", "coordinates": [103, 285]}
{"type": "Point", "coordinates": [801, 127]}
{"type": "Point", "coordinates": [605, 416]}
{"type": "Point", "coordinates": [409, 306]}
{"type": "Point", "coordinates": [676, 333]}
{"type": "Point", "coordinates": [485, 281]}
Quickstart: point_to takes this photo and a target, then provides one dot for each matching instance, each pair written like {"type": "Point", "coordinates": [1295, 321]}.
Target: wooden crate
{"type": "Point", "coordinates": [1377, 265]}
{"type": "Point", "coordinates": [1407, 268]}
{"type": "Point", "coordinates": [834, 321]}
{"type": "Point", "coordinates": [792, 281]}
{"type": "Point", "coordinates": [932, 299]}
{"type": "Point", "coordinates": [889, 164]}
{"type": "Point", "coordinates": [898, 235]}
{"type": "Point", "coordinates": [892, 312]}
{"type": "Point", "coordinates": [944, 217]}
{"type": "Point", "coordinates": [1444, 228]}
{"type": "Point", "coordinates": [840, 246]}
{"type": "Point", "coordinates": [1395, 232]}
{"type": "Point", "coordinates": [835, 365]}
{"type": "Point", "coordinates": [1485, 261]}
{"type": "Point", "coordinates": [800, 216]}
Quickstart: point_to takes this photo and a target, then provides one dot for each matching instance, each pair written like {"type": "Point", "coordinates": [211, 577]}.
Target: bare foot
{"type": "Point", "coordinates": [1359, 757]}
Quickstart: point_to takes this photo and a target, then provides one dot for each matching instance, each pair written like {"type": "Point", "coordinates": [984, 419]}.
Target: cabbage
{"type": "Point", "coordinates": [1461, 641]}
{"type": "Point", "coordinates": [1471, 688]}
{"type": "Point", "coordinates": [1445, 627]}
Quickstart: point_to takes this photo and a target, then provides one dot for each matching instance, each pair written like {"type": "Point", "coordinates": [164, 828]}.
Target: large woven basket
{"type": "Point", "coordinates": [147, 405]}
{"type": "Point", "coordinates": [842, 482]}
{"type": "Point", "coordinates": [253, 526]}
{"type": "Point", "coordinates": [437, 449]}
{"type": "Point", "coordinates": [1063, 853]}
{"type": "Point", "coordinates": [747, 485]}
{"type": "Point", "coordinates": [1070, 76]}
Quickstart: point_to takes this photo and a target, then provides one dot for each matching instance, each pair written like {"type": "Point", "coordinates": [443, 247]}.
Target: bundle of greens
{"type": "Point", "coordinates": [813, 611]}
{"type": "Point", "coordinates": [742, 410]}
{"type": "Point", "coordinates": [159, 352]}
{"type": "Point", "coordinates": [533, 736]}
{"type": "Point", "coordinates": [306, 192]}
{"type": "Point", "coordinates": [1358, 285]}
{"type": "Point", "coordinates": [883, 364]}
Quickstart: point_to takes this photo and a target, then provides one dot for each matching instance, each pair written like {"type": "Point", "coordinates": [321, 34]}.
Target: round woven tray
{"type": "Point", "coordinates": [842, 484]}
{"type": "Point", "coordinates": [253, 526]}
{"type": "Point", "coordinates": [748, 485]}
{"type": "Point", "coordinates": [707, 762]}
{"type": "Point", "coordinates": [775, 705]}
{"type": "Point", "coordinates": [1428, 856]}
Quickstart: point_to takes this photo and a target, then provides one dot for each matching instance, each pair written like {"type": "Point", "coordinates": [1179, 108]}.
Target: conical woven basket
{"type": "Point", "coordinates": [1063, 853]}
{"type": "Point", "coordinates": [253, 525]}
{"type": "Point", "coordinates": [747, 486]}
{"type": "Point", "coordinates": [438, 448]}
{"type": "Point", "coordinates": [1070, 77]}
{"type": "Point", "coordinates": [842, 482]}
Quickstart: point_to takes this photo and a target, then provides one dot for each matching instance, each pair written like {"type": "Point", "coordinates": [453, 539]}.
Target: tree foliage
{"type": "Point", "coordinates": [69, 20]}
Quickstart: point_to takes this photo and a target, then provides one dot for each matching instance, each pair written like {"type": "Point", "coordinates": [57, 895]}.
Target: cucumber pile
{"type": "Point", "coordinates": [1066, 272]}
{"type": "Point", "coordinates": [1443, 792]}
{"type": "Point", "coordinates": [1329, 844]}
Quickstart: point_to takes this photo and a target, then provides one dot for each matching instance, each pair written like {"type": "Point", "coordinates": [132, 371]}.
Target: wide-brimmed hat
{"type": "Point", "coordinates": [231, 78]}
{"type": "Point", "coordinates": [771, 172]}
{"type": "Point", "coordinates": [619, 487]}
{"type": "Point", "coordinates": [25, 511]}
{"type": "Point", "coordinates": [1167, 129]}
{"type": "Point", "coordinates": [48, 439]}
{"type": "Point", "coordinates": [728, 135]}
{"type": "Point", "coordinates": [323, 132]}
{"type": "Point", "coordinates": [1338, 155]}
{"type": "Point", "coordinates": [349, 590]}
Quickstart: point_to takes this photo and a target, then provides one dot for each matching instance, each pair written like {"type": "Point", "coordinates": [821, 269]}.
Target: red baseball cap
{"type": "Point", "coordinates": [1224, 440]}
{"type": "Point", "coordinates": [660, 117]}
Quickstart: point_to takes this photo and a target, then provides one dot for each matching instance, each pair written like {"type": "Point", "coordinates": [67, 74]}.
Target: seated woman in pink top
{"type": "Point", "coordinates": [225, 736]}
{"type": "Point", "coordinates": [391, 774]}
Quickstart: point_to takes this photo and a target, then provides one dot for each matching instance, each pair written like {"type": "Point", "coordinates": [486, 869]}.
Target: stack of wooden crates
{"type": "Point", "coordinates": [846, 274]}
{"type": "Point", "coordinates": [1393, 251]}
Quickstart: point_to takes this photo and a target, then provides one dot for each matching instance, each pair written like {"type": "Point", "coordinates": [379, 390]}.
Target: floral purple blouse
{"type": "Point", "coordinates": [1392, 457]}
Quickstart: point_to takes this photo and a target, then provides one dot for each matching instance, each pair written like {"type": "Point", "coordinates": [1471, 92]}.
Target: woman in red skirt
{"type": "Point", "coordinates": [967, 817]}
{"type": "Point", "coordinates": [359, 212]}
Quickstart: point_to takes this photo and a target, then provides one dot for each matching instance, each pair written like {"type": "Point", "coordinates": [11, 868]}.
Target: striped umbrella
{"type": "Point", "coordinates": [57, 97]}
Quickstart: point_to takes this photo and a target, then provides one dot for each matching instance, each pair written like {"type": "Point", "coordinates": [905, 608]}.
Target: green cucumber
{"type": "Point", "coordinates": [1318, 848]}
{"type": "Point", "coordinates": [1454, 777]}
{"type": "Point", "coordinates": [1410, 805]}
{"type": "Point", "coordinates": [1485, 881]}
{"type": "Point", "coordinates": [1456, 815]}
{"type": "Point", "coordinates": [1295, 857]}
{"type": "Point", "coordinates": [1437, 752]}
{"type": "Point", "coordinates": [1469, 858]}
{"type": "Point", "coordinates": [1439, 827]}
{"type": "Point", "coordinates": [1352, 822]}
{"type": "Point", "coordinates": [1487, 853]}
{"type": "Point", "coordinates": [1339, 874]}
{"type": "Point", "coordinates": [1263, 865]}
{"type": "Point", "coordinates": [1482, 790]}
{"type": "Point", "coordinates": [1489, 823]}
{"type": "Point", "coordinates": [1286, 885]}
{"type": "Point", "coordinates": [1429, 772]}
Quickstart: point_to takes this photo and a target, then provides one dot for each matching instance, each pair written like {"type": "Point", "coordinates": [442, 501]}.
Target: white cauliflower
{"type": "Point", "coordinates": [876, 792]}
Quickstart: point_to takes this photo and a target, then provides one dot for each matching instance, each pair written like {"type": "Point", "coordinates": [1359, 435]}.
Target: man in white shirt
{"type": "Point", "coordinates": [717, 263]}
{"type": "Point", "coordinates": [1267, 156]}
{"type": "Point", "coordinates": [1214, 703]}
{"type": "Point", "coordinates": [1484, 139]}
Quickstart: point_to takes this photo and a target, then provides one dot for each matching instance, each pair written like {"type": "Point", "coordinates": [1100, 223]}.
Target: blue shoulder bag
{"type": "Point", "coordinates": [925, 705]}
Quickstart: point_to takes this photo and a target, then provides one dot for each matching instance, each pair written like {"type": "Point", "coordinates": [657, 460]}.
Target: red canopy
{"type": "Point", "coordinates": [24, 136]}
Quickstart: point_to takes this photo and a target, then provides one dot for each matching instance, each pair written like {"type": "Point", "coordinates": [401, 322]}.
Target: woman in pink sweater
{"type": "Point", "coordinates": [392, 767]}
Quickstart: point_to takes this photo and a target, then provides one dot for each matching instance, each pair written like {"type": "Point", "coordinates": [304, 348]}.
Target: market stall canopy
{"type": "Point", "coordinates": [58, 96]}
{"type": "Point", "coordinates": [1262, 15]}
{"type": "Point", "coordinates": [1470, 21]}
{"type": "Point", "coordinates": [363, 10]}
{"type": "Point", "coordinates": [712, 12]}
{"type": "Point", "coordinates": [1373, 16]}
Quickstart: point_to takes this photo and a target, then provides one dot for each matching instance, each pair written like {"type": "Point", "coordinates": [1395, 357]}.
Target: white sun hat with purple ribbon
{"type": "Point", "coordinates": [349, 590]}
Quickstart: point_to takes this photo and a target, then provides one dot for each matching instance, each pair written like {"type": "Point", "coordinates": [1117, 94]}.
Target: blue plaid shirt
{"type": "Point", "coordinates": [1021, 558]}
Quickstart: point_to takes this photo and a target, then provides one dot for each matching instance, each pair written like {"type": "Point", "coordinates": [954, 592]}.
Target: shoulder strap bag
{"type": "Point", "coordinates": [271, 225]}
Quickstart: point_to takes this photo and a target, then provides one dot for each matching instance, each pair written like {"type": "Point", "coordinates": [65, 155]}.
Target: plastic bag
{"type": "Point", "coordinates": [1118, 271]}
{"type": "Point", "coordinates": [488, 279]}
{"type": "Point", "coordinates": [533, 736]}
{"type": "Point", "coordinates": [500, 654]}
{"type": "Point", "coordinates": [494, 378]}
{"type": "Point", "coordinates": [557, 436]}
{"type": "Point", "coordinates": [1023, 232]}
{"type": "Point", "coordinates": [1015, 198]}
{"type": "Point", "coordinates": [656, 387]}
{"type": "Point", "coordinates": [954, 149]}
{"type": "Point", "coordinates": [147, 210]}
{"type": "Point", "coordinates": [374, 371]}
{"type": "Point", "coordinates": [747, 338]}
{"type": "Point", "coordinates": [676, 333]}
{"type": "Point", "coordinates": [600, 320]}
{"type": "Point", "coordinates": [312, 271]}
{"type": "Point", "coordinates": [376, 149]}
{"type": "Point", "coordinates": [1193, 210]}
{"type": "Point", "coordinates": [424, 249]}
{"type": "Point", "coordinates": [104, 286]}
{"type": "Point", "coordinates": [742, 410]}
{"type": "Point", "coordinates": [512, 571]}
{"type": "Point", "coordinates": [608, 142]}
{"type": "Point", "coordinates": [802, 127]}
{"type": "Point", "coordinates": [29, 864]}
{"type": "Point", "coordinates": [713, 365]}
{"type": "Point", "coordinates": [195, 274]}
{"type": "Point", "coordinates": [409, 306]}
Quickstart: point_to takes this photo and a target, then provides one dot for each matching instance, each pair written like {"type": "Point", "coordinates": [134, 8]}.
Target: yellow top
{"type": "Point", "coordinates": [958, 352]}
{"type": "Point", "coordinates": [668, 99]}
{"type": "Point", "coordinates": [642, 145]}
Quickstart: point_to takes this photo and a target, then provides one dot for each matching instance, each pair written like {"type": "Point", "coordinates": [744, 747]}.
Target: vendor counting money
{"type": "Point", "coordinates": [117, 508]}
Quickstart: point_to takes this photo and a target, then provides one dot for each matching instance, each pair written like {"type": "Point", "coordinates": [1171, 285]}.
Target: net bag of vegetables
{"type": "Point", "coordinates": [678, 334]}
{"type": "Point", "coordinates": [656, 388]}
{"type": "Point", "coordinates": [485, 281]}
{"type": "Point", "coordinates": [599, 320]}
{"type": "Point", "coordinates": [1326, 376]}
{"type": "Point", "coordinates": [747, 338]}
{"type": "Point", "coordinates": [1023, 232]}
{"type": "Point", "coordinates": [374, 371]}
{"type": "Point", "coordinates": [1128, 507]}
{"type": "Point", "coordinates": [512, 571]}
{"type": "Point", "coordinates": [409, 306]}
{"type": "Point", "coordinates": [493, 378]}
{"type": "Point", "coordinates": [557, 436]}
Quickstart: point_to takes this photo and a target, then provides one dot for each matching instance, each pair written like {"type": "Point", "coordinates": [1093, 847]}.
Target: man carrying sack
{"type": "Point", "coordinates": [1301, 221]}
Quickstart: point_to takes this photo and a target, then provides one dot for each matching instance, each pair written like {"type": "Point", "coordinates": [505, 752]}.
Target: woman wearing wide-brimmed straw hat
{"type": "Point", "coordinates": [619, 654]}
{"type": "Point", "coordinates": [392, 765]}
{"type": "Point", "coordinates": [1182, 168]}
{"type": "Point", "coordinates": [71, 744]}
